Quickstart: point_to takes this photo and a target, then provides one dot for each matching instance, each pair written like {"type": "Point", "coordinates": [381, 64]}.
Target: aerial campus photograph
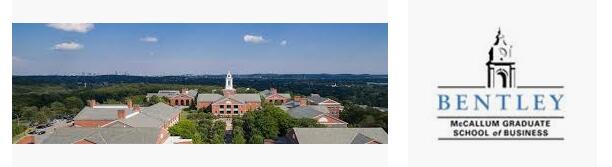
{"type": "Point", "coordinates": [199, 83]}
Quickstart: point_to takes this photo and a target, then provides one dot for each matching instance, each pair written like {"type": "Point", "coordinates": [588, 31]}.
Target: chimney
{"type": "Point", "coordinates": [130, 104]}
{"type": "Point", "coordinates": [273, 91]}
{"type": "Point", "coordinates": [121, 114]}
{"type": "Point", "coordinates": [91, 103]}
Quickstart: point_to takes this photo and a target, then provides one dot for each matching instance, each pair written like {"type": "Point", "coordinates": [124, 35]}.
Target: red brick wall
{"type": "Point", "coordinates": [334, 109]}
{"type": "Point", "coordinates": [186, 100]}
{"type": "Point", "coordinates": [252, 106]}
{"type": "Point", "coordinates": [203, 105]}
{"type": "Point", "coordinates": [90, 123]}
{"type": "Point", "coordinates": [163, 137]}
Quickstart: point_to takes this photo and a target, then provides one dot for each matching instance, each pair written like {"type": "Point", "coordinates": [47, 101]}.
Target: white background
{"type": "Point", "coordinates": [553, 44]}
{"type": "Point", "coordinates": [401, 151]}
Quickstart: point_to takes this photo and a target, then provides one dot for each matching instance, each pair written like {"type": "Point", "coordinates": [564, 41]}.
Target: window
{"type": "Point", "coordinates": [221, 106]}
{"type": "Point", "coordinates": [235, 111]}
{"type": "Point", "coordinates": [221, 111]}
{"type": "Point", "coordinates": [236, 106]}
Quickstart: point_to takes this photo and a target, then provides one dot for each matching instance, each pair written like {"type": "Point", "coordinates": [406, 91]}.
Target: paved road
{"type": "Point", "coordinates": [228, 136]}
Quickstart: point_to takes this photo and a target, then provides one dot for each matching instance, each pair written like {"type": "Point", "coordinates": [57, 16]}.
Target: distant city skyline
{"type": "Point", "coordinates": [199, 49]}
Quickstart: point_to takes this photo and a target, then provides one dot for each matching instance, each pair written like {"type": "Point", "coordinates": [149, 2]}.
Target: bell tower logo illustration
{"type": "Point", "coordinates": [501, 72]}
{"type": "Point", "coordinates": [499, 109]}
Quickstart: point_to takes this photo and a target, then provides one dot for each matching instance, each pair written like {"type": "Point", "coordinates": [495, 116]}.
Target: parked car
{"type": "Point", "coordinates": [31, 132]}
{"type": "Point", "coordinates": [41, 132]}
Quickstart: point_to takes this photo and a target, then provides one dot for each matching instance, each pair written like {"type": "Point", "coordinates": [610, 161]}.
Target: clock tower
{"type": "Point", "coordinates": [229, 85]}
{"type": "Point", "coordinates": [500, 67]}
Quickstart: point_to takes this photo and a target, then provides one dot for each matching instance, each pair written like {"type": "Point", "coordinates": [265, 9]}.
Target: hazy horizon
{"type": "Point", "coordinates": [196, 74]}
{"type": "Point", "coordinates": [169, 49]}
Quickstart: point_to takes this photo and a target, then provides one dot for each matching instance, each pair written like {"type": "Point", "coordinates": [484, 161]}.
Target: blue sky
{"type": "Point", "coordinates": [171, 49]}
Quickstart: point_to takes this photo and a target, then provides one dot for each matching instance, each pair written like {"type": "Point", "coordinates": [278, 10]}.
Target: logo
{"type": "Point", "coordinates": [500, 67]}
{"type": "Point", "coordinates": [500, 109]}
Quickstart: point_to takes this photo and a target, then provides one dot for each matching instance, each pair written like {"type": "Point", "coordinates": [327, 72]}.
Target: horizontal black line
{"type": "Point", "coordinates": [498, 138]}
{"type": "Point", "coordinates": [461, 87]}
{"type": "Point", "coordinates": [540, 87]}
{"type": "Point", "coordinates": [501, 117]}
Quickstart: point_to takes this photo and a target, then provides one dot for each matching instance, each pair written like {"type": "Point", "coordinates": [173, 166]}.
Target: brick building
{"type": "Point", "coordinates": [321, 114]}
{"type": "Point", "coordinates": [230, 103]}
{"type": "Point", "coordinates": [183, 97]}
{"type": "Point", "coordinates": [98, 115]}
{"type": "Point", "coordinates": [272, 96]}
{"type": "Point", "coordinates": [119, 124]}
{"type": "Point", "coordinates": [333, 106]}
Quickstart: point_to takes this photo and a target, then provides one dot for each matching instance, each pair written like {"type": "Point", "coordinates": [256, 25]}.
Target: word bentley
{"type": "Point", "coordinates": [501, 102]}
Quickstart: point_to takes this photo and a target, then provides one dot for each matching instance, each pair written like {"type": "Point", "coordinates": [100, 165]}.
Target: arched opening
{"type": "Point", "coordinates": [176, 102]}
{"type": "Point", "coordinates": [501, 79]}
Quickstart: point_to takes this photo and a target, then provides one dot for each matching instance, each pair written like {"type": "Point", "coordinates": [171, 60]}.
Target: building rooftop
{"type": "Point", "coordinates": [102, 112]}
{"type": "Point", "coordinates": [240, 97]}
{"type": "Point", "coordinates": [152, 116]}
{"type": "Point", "coordinates": [109, 135]}
{"type": "Point", "coordinates": [316, 98]}
{"type": "Point", "coordinates": [172, 93]}
{"type": "Point", "coordinates": [340, 135]}
{"type": "Point", "coordinates": [266, 93]}
{"type": "Point", "coordinates": [309, 111]}
{"type": "Point", "coordinates": [160, 111]}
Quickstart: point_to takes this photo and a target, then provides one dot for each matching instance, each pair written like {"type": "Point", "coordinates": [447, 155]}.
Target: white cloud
{"type": "Point", "coordinates": [149, 39]}
{"type": "Point", "coordinates": [67, 46]}
{"type": "Point", "coordinates": [283, 43]}
{"type": "Point", "coordinates": [72, 27]}
{"type": "Point", "coordinates": [253, 39]}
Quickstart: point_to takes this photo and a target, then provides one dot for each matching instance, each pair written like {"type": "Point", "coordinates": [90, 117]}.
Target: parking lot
{"type": "Point", "coordinates": [57, 123]}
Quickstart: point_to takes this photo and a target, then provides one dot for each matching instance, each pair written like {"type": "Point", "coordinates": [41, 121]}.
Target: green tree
{"type": "Point", "coordinates": [218, 131]}
{"type": "Point", "coordinates": [111, 101]}
{"type": "Point", "coordinates": [139, 99]}
{"type": "Point", "coordinates": [238, 135]}
{"type": "Point", "coordinates": [256, 139]}
{"type": "Point", "coordinates": [74, 102]}
{"type": "Point", "coordinates": [204, 127]}
{"type": "Point", "coordinates": [58, 108]}
{"type": "Point", "coordinates": [28, 113]}
{"type": "Point", "coordinates": [237, 121]}
{"type": "Point", "coordinates": [358, 116]}
{"type": "Point", "coordinates": [186, 129]}
{"type": "Point", "coordinates": [43, 115]}
{"type": "Point", "coordinates": [73, 105]}
{"type": "Point", "coordinates": [368, 121]}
